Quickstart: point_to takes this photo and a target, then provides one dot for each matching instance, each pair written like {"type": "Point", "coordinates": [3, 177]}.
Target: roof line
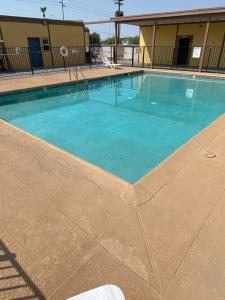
{"type": "Point", "coordinates": [98, 22]}
{"type": "Point", "coordinates": [194, 12]}
{"type": "Point", "coordinates": [39, 20]}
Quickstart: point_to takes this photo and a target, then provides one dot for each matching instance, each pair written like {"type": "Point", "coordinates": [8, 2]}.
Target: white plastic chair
{"type": "Point", "coordinates": [105, 292]}
{"type": "Point", "coordinates": [109, 64]}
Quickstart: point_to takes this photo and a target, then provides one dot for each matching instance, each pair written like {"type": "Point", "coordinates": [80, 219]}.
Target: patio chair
{"type": "Point", "coordinates": [109, 64]}
{"type": "Point", "coordinates": [105, 292]}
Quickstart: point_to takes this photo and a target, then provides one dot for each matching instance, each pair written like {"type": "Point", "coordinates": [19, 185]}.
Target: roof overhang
{"type": "Point", "coordinates": [188, 16]}
{"type": "Point", "coordinates": [98, 22]}
{"type": "Point", "coordinates": [39, 20]}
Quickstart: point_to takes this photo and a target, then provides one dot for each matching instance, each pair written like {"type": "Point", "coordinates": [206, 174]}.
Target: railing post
{"type": "Point", "coordinates": [90, 58]}
{"type": "Point", "coordinates": [143, 57]}
{"type": "Point", "coordinates": [31, 65]}
{"type": "Point", "coordinates": [64, 63]}
{"type": "Point", "coordinates": [210, 50]}
{"type": "Point", "coordinates": [111, 48]}
{"type": "Point", "coordinates": [153, 45]}
{"type": "Point", "coordinates": [116, 42]}
{"type": "Point", "coordinates": [133, 56]}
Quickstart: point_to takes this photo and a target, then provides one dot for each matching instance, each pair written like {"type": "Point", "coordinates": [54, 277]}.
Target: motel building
{"type": "Point", "coordinates": [193, 39]}
{"type": "Point", "coordinates": [32, 43]}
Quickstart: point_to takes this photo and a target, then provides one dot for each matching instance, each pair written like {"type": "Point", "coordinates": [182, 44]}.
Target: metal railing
{"type": "Point", "coordinates": [24, 61]}
{"type": "Point", "coordinates": [34, 61]}
{"type": "Point", "coordinates": [75, 71]}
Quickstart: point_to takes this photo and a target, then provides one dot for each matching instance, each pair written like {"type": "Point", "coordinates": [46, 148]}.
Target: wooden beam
{"type": "Point", "coordinates": [204, 46]}
{"type": "Point", "coordinates": [153, 44]}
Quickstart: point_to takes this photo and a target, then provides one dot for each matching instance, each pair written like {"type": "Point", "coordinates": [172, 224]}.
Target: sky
{"type": "Point", "coordinates": [91, 10]}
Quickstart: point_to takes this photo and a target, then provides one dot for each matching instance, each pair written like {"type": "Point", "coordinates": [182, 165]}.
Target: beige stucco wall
{"type": "Point", "coordinates": [16, 35]}
{"type": "Point", "coordinates": [165, 39]}
{"type": "Point", "coordinates": [87, 38]}
{"type": "Point", "coordinates": [166, 36]}
{"type": "Point", "coordinates": [215, 38]}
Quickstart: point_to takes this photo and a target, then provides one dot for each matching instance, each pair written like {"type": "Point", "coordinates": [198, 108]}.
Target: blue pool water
{"type": "Point", "coordinates": [126, 125]}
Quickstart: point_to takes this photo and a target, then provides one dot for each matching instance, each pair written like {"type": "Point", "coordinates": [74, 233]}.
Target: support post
{"type": "Point", "coordinates": [143, 57]}
{"type": "Point", "coordinates": [116, 41]}
{"type": "Point", "coordinates": [175, 47]}
{"type": "Point", "coordinates": [207, 65]}
{"type": "Point", "coordinates": [132, 56]}
{"type": "Point", "coordinates": [90, 57]}
{"type": "Point", "coordinates": [153, 44]}
{"type": "Point", "coordinates": [204, 46]}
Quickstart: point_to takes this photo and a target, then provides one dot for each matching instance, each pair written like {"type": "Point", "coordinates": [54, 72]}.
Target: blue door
{"type": "Point", "coordinates": [35, 52]}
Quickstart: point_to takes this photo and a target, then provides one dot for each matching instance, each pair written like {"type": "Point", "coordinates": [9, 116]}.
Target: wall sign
{"type": "Point", "coordinates": [196, 52]}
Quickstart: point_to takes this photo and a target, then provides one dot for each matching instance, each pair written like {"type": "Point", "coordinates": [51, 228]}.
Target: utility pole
{"type": "Point", "coordinates": [118, 13]}
{"type": "Point", "coordinates": [62, 5]}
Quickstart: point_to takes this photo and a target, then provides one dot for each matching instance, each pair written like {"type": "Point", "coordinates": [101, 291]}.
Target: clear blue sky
{"type": "Point", "coordinates": [89, 10]}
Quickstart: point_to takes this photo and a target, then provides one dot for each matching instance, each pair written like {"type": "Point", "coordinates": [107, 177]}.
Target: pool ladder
{"type": "Point", "coordinates": [75, 71]}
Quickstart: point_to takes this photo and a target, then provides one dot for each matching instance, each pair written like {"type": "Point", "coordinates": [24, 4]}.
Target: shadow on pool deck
{"type": "Point", "coordinates": [14, 282]}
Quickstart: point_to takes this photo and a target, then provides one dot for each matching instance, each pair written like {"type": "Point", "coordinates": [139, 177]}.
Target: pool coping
{"type": "Point", "coordinates": [132, 70]}
{"type": "Point", "coordinates": [52, 85]}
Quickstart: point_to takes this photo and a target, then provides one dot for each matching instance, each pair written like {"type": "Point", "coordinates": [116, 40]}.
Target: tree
{"type": "Point", "coordinates": [130, 40]}
{"type": "Point", "coordinates": [43, 11]}
{"type": "Point", "coordinates": [110, 40]}
{"type": "Point", "coordinates": [95, 38]}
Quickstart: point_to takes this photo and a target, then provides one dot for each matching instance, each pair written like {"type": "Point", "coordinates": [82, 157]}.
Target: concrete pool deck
{"type": "Point", "coordinates": [67, 226]}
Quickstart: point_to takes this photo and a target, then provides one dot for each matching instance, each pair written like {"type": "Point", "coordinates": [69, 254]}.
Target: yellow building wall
{"type": "Point", "coordinates": [87, 38]}
{"type": "Point", "coordinates": [66, 35]}
{"type": "Point", "coordinates": [214, 48]}
{"type": "Point", "coordinates": [216, 34]}
{"type": "Point", "coordinates": [196, 30]}
{"type": "Point", "coordinates": [146, 35]}
{"type": "Point", "coordinates": [16, 35]}
{"type": "Point", "coordinates": [165, 41]}
{"type": "Point", "coordinates": [166, 36]}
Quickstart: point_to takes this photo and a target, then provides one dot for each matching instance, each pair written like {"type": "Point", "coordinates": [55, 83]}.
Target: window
{"type": "Point", "coordinates": [45, 44]}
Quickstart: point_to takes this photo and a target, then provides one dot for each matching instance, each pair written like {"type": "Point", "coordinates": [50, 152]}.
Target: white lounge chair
{"type": "Point", "coordinates": [109, 64]}
{"type": "Point", "coordinates": [105, 292]}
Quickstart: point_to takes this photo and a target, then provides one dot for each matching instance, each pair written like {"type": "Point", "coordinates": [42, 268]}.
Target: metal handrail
{"type": "Point", "coordinates": [74, 71]}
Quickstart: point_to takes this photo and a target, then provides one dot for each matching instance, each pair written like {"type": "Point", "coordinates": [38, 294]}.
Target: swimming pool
{"type": "Point", "coordinates": [126, 125]}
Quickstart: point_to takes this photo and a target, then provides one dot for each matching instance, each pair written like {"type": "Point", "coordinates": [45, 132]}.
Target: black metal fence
{"type": "Point", "coordinates": [169, 57]}
{"type": "Point", "coordinates": [21, 61]}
